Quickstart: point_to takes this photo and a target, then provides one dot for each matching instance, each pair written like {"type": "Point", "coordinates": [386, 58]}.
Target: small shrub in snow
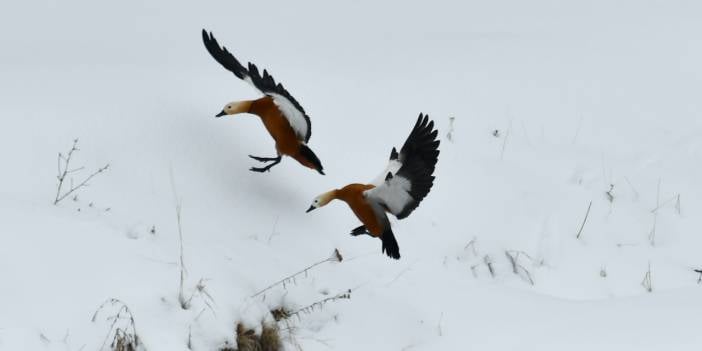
{"type": "Point", "coordinates": [122, 334]}
{"type": "Point", "coordinates": [248, 340]}
{"type": "Point", "coordinates": [270, 338]}
{"type": "Point", "coordinates": [64, 171]}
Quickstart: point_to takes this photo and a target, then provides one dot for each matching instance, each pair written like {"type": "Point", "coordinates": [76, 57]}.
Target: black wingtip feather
{"type": "Point", "coordinates": [223, 56]}
{"type": "Point", "coordinates": [419, 156]}
{"type": "Point", "coordinates": [393, 154]}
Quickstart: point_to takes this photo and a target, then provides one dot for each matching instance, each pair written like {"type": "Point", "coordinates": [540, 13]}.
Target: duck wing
{"type": "Point", "coordinates": [408, 178]}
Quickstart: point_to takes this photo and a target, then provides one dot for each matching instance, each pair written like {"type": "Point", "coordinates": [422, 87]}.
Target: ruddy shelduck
{"type": "Point", "coordinates": [399, 190]}
{"type": "Point", "coordinates": [283, 117]}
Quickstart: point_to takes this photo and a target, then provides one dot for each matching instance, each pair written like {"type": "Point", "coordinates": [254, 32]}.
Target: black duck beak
{"type": "Point", "coordinates": [310, 209]}
{"type": "Point", "coordinates": [221, 114]}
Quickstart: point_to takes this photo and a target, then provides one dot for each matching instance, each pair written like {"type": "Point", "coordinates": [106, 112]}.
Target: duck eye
{"type": "Point", "coordinates": [229, 107]}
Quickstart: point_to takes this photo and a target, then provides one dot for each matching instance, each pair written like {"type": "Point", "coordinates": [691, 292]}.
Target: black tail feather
{"type": "Point", "coordinates": [309, 155]}
{"type": "Point", "coordinates": [390, 246]}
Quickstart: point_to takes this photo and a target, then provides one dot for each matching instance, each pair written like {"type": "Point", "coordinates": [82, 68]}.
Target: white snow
{"type": "Point", "coordinates": [585, 95]}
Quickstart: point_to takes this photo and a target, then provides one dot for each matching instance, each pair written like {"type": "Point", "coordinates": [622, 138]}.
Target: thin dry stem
{"type": "Point", "coordinates": [488, 263]}
{"type": "Point", "coordinates": [319, 304]}
{"type": "Point", "coordinates": [517, 268]}
{"type": "Point", "coordinates": [587, 213]}
{"type": "Point", "coordinates": [335, 257]}
{"type": "Point", "coordinates": [184, 304]}
{"type": "Point", "coordinates": [449, 135]}
{"type": "Point", "coordinates": [652, 234]}
{"type": "Point", "coordinates": [64, 170]}
{"type": "Point", "coordinates": [647, 283]}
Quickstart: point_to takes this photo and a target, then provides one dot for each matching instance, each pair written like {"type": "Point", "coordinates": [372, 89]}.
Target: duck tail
{"type": "Point", "coordinates": [390, 246]}
{"type": "Point", "coordinates": [310, 159]}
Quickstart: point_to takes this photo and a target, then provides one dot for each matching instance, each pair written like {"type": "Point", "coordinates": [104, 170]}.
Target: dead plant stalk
{"type": "Point", "coordinates": [64, 171]}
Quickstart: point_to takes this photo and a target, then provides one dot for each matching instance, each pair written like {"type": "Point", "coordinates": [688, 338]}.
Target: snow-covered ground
{"type": "Point", "coordinates": [586, 97]}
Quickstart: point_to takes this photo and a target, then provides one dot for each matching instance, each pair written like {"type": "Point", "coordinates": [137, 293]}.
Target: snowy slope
{"type": "Point", "coordinates": [585, 96]}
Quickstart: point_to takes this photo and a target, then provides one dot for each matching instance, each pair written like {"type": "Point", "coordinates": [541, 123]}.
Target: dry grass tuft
{"type": "Point", "coordinates": [124, 342]}
{"type": "Point", "coordinates": [280, 313]}
{"type": "Point", "coordinates": [270, 338]}
{"type": "Point", "coordinates": [248, 340]}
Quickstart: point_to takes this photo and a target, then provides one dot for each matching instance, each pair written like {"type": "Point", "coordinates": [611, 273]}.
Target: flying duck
{"type": "Point", "coordinates": [399, 190]}
{"type": "Point", "coordinates": [283, 117]}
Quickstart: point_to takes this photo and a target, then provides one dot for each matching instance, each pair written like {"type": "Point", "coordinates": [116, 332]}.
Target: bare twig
{"type": "Point", "coordinates": [666, 202]}
{"type": "Point", "coordinates": [335, 257]}
{"type": "Point", "coordinates": [44, 339]}
{"type": "Point", "coordinates": [577, 128]}
{"type": "Point", "coordinates": [449, 135]}
{"type": "Point", "coordinates": [184, 304]}
{"type": "Point", "coordinates": [402, 272]}
{"type": "Point", "coordinates": [646, 282]}
{"type": "Point", "coordinates": [610, 194]}
{"type": "Point", "coordinates": [181, 298]}
{"type": "Point", "coordinates": [319, 304]}
{"type": "Point", "coordinates": [488, 263]}
{"type": "Point", "coordinates": [636, 193]}
{"type": "Point", "coordinates": [517, 268]}
{"type": "Point", "coordinates": [472, 245]}
{"type": "Point", "coordinates": [64, 170]}
{"type": "Point", "coordinates": [82, 184]}
{"type": "Point", "coordinates": [587, 213]}
{"type": "Point", "coordinates": [652, 234]}
{"type": "Point", "coordinates": [201, 292]}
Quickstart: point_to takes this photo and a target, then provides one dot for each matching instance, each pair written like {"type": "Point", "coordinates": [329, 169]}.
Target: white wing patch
{"type": "Point", "coordinates": [295, 118]}
{"type": "Point", "coordinates": [392, 167]}
{"type": "Point", "coordinates": [247, 79]}
{"type": "Point", "coordinates": [393, 193]}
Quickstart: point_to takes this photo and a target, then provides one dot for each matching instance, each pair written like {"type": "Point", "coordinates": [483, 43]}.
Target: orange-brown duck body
{"type": "Point", "coordinates": [352, 194]}
{"type": "Point", "coordinates": [286, 141]}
